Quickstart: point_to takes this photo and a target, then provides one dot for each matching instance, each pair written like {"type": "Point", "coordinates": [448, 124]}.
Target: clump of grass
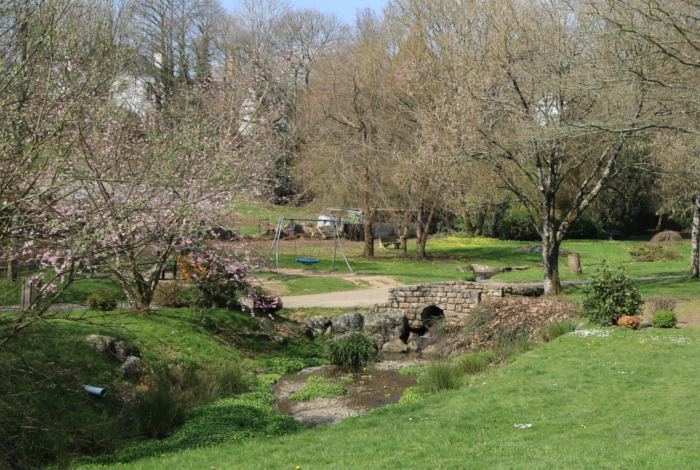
{"type": "Point", "coordinates": [439, 376]}
{"type": "Point", "coordinates": [318, 379]}
{"type": "Point", "coordinates": [355, 349]}
{"type": "Point", "coordinates": [555, 330]}
{"type": "Point", "coordinates": [475, 362]}
{"type": "Point", "coordinates": [311, 391]}
{"type": "Point", "coordinates": [411, 370]}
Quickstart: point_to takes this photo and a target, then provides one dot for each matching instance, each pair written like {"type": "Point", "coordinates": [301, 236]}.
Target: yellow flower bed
{"type": "Point", "coordinates": [458, 242]}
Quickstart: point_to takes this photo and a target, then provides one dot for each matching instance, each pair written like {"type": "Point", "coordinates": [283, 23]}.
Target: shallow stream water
{"type": "Point", "coordinates": [367, 388]}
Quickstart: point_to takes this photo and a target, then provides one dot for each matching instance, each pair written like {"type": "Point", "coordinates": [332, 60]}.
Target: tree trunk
{"type": "Point", "coordinates": [405, 229]}
{"type": "Point", "coordinates": [12, 270]}
{"type": "Point", "coordinates": [369, 238]}
{"type": "Point", "coordinates": [695, 249]}
{"type": "Point", "coordinates": [550, 257]}
{"type": "Point", "coordinates": [423, 229]}
{"type": "Point", "coordinates": [660, 223]}
{"type": "Point", "coordinates": [479, 230]}
{"type": "Point", "coordinates": [468, 227]}
{"type": "Point", "coordinates": [575, 263]}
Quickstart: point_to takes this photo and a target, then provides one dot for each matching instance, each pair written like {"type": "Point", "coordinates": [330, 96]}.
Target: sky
{"type": "Point", "coordinates": [346, 9]}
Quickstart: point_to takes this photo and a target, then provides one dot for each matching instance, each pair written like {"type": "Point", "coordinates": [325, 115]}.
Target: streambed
{"type": "Point", "coordinates": [367, 388]}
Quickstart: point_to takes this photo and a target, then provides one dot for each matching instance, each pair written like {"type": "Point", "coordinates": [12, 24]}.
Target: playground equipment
{"type": "Point", "coordinates": [304, 259]}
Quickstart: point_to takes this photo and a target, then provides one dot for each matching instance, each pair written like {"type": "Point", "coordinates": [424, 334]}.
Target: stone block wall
{"type": "Point", "coordinates": [456, 299]}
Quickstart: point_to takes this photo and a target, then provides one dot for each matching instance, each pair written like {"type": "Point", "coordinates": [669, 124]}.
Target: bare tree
{"type": "Point", "coordinates": [543, 94]}
{"type": "Point", "coordinates": [670, 28]}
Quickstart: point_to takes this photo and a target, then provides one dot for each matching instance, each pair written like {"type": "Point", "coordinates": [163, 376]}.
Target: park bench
{"type": "Point", "coordinates": [388, 243]}
{"type": "Point", "coordinates": [612, 234]}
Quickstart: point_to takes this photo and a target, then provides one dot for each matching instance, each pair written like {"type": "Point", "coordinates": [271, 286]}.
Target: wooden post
{"type": "Point", "coordinates": [30, 292]}
{"type": "Point", "coordinates": [575, 263]}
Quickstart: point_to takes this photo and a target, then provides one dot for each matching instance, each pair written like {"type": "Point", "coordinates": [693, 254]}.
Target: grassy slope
{"type": "Point", "coordinates": [643, 420]}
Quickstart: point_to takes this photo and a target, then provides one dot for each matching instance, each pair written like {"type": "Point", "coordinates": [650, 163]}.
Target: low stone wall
{"type": "Point", "coordinates": [456, 299]}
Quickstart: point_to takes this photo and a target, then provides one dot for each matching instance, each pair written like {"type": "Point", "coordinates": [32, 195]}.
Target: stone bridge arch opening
{"type": "Point", "coordinates": [431, 315]}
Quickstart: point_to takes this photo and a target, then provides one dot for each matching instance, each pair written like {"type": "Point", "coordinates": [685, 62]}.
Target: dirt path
{"type": "Point", "coordinates": [369, 297]}
{"type": "Point", "coordinates": [347, 299]}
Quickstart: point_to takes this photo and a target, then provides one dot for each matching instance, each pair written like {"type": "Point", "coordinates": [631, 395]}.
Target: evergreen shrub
{"type": "Point", "coordinates": [609, 295]}
{"type": "Point", "coordinates": [664, 319]}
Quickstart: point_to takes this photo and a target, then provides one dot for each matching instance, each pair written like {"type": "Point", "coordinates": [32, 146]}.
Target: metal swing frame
{"type": "Point", "coordinates": [336, 238]}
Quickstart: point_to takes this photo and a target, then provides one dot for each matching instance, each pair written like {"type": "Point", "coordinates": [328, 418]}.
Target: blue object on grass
{"type": "Point", "coordinates": [306, 261]}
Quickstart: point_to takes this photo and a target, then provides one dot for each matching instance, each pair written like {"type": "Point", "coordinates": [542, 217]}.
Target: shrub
{"type": "Point", "coordinates": [354, 349]}
{"type": "Point", "coordinates": [102, 300]}
{"type": "Point", "coordinates": [585, 227]}
{"type": "Point", "coordinates": [628, 321]}
{"type": "Point", "coordinates": [556, 329]}
{"type": "Point", "coordinates": [656, 303]}
{"type": "Point", "coordinates": [664, 319]}
{"type": "Point", "coordinates": [611, 294]}
{"type": "Point", "coordinates": [169, 295]}
{"type": "Point", "coordinates": [311, 391]}
{"type": "Point", "coordinates": [440, 375]}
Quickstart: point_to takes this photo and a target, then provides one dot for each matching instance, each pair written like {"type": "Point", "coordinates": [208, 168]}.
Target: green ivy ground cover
{"type": "Point", "coordinates": [612, 399]}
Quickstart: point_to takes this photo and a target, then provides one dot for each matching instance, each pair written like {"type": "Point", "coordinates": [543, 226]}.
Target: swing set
{"type": "Point", "coordinates": [304, 259]}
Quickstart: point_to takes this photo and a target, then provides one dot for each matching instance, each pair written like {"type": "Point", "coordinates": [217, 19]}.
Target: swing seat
{"type": "Point", "coordinates": [307, 261]}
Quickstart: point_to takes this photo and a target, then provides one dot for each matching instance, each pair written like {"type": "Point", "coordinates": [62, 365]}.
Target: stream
{"type": "Point", "coordinates": [367, 388]}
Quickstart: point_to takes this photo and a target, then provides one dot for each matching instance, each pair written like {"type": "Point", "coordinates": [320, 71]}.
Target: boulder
{"type": "Point", "coordinates": [483, 269]}
{"type": "Point", "coordinates": [119, 350]}
{"type": "Point", "coordinates": [412, 336]}
{"type": "Point", "coordinates": [390, 325]}
{"type": "Point", "coordinates": [309, 334]}
{"type": "Point", "coordinates": [278, 339]}
{"type": "Point", "coordinates": [432, 350]}
{"type": "Point", "coordinates": [395, 346]}
{"type": "Point", "coordinates": [101, 344]}
{"type": "Point", "coordinates": [318, 323]}
{"type": "Point", "coordinates": [124, 350]}
{"type": "Point", "coordinates": [134, 368]}
{"type": "Point", "coordinates": [348, 322]}
{"type": "Point", "coordinates": [377, 340]}
{"type": "Point", "coordinates": [424, 341]}
{"type": "Point", "coordinates": [412, 346]}
{"type": "Point", "coordinates": [266, 325]}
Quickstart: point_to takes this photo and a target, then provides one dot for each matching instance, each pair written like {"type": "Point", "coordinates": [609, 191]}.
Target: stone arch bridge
{"type": "Point", "coordinates": [455, 299]}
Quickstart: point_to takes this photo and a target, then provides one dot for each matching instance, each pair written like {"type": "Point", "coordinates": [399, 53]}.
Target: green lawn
{"type": "Point", "coordinates": [446, 254]}
{"type": "Point", "coordinates": [628, 400]}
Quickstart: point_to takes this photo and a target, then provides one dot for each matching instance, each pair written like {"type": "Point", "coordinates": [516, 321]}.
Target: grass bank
{"type": "Point", "coordinates": [621, 399]}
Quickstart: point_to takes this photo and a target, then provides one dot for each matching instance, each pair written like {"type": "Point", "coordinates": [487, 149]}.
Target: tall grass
{"type": "Point", "coordinates": [355, 349]}
{"type": "Point", "coordinates": [175, 389]}
{"type": "Point", "coordinates": [555, 330]}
